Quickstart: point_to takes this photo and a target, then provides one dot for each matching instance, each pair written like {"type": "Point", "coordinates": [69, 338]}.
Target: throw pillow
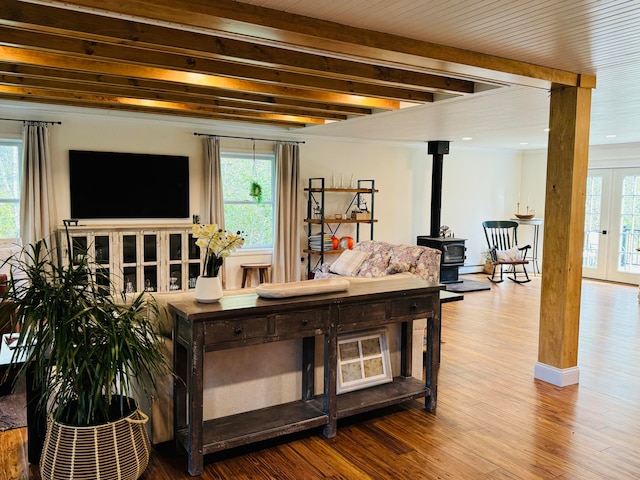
{"type": "Point", "coordinates": [402, 255]}
{"type": "Point", "coordinates": [511, 255]}
{"type": "Point", "coordinates": [348, 263]}
{"type": "Point", "coordinates": [399, 268]}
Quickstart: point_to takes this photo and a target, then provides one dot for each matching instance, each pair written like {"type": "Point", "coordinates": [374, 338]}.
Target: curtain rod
{"type": "Point", "coordinates": [246, 138]}
{"type": "Point", "coordinates": [35, 121]}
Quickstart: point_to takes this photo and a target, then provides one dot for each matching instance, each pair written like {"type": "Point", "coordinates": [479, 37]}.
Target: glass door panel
{"type": "Point", "coordinates": [175, 277]}
{"type": "Point", "coordinates": [103, 278]}
{"type": "Point", "coordinates": [194, 250]}
{"type": "Point", "coordinates": [194, 261]}
{"type": "Point", "coordinates": [129, 249]}
{"type": "Point", "coordinates": [130, 279]}
{"type": "Point", "coordinates": [102, 249]}
{"type": "Point", "coordinates": [612, 225]}
{"type": "Point", "coordinates": [175, 246]}
{"type": "Point", "coordinates": [194, 272]}
{"type": "Point", "coordinates": [150, 278]}
{"type": "Point", "coordinates": [150, 242]}
{"type": "Point", "coordinates": [627, 265]}
{"type": "Point", "coordinates": [592, 222]}
{"type": "Point", "coordinates": [80, 248]}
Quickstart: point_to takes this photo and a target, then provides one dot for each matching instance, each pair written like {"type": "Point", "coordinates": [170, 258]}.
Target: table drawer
{"type": "Point", "coordinates": [362, 312]}
{"type": "Point", "coordinates": [232, 330]}
{"type": "Point", "coordinates": [414, 306]}
{"type": "Point", "coordinates": [306, 321]}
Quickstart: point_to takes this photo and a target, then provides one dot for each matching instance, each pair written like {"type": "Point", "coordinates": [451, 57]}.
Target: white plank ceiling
{"type": "Point", "coordinates": [597, 37]}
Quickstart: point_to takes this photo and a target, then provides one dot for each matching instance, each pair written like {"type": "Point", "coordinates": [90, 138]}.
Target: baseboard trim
{"type": "Point", "coordinates": [561, 377]}
{"type": "Point", "coordinates": [466, 269]}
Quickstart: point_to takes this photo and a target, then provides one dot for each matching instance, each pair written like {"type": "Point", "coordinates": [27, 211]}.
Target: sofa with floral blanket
{"type": "Point", "coordinates": [373, 259]}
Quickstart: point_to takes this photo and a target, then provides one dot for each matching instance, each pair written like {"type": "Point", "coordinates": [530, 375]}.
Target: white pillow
{"type": "Point", "coordinates": [511, 255]}
{"type": "Point", "coordinates": [349, 262]}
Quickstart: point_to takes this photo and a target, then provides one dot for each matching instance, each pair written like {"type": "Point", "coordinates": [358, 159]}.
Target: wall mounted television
{"type": "Point", "coordinates": [110, 185]}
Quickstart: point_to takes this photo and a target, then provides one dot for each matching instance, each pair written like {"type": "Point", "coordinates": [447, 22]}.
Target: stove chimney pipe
{"type": "Point", "coordinates": [437, 148]}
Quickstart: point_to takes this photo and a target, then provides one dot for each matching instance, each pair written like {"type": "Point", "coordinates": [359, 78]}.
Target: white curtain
{"type": "Point", "coordinates": [214, 200]}
{"type": "Point", "coordinates": [37, 201]}
{"type": "Point", "coordinates": [286, 244]}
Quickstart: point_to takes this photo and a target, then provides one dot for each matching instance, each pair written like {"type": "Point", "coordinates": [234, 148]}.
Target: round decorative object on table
{"type": "Point", "coordinates": [526, 216]}
{"type": "Point", "coordinates": [208, 289]}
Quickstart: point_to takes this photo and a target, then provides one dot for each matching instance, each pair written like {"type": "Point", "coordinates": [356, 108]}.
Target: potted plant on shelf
{"type": "Point", "coordinates": [88, 353]}
{"type": "Point", "coordinates": [215, 244]}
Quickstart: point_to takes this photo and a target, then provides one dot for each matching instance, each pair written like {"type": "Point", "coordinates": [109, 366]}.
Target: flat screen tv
{"type": "Point", "coordinates": [128, 185]}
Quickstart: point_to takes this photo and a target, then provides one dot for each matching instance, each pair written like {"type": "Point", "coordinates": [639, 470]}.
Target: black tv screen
{"type": "Point", "coordinates": [128, 185]}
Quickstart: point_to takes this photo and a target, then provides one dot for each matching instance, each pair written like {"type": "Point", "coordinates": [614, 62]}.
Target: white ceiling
{"type": "Point", "coordinates": [595, 37]}
{"type": "Point", "coordinates": [600, 37]}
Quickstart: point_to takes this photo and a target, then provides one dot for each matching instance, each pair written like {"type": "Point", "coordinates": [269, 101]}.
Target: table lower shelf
{"type": "Point", "coordinates": [402, 389]}
{"type": "Point", "coordinates": [257, 425]}
{"type": "Point", "coordinates": [265, 423]}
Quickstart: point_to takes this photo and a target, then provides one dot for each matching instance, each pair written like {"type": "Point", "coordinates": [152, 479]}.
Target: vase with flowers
{"type": "Point", "coordinates": [216, 244]}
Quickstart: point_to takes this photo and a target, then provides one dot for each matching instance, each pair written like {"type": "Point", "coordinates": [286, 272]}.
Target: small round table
{"type": "Point", "coordinates": [535, 223]}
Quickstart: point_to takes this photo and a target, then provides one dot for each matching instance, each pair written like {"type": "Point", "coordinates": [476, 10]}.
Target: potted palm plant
{"type": "Point", "coordinates": [90, 354]}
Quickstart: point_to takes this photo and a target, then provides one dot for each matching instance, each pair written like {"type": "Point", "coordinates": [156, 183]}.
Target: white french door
{"type": "Point", "coordinates": [612, 225]}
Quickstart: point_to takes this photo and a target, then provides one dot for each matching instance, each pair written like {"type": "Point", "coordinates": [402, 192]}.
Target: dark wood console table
{"type": "Point", "coordinates": [246, 319]}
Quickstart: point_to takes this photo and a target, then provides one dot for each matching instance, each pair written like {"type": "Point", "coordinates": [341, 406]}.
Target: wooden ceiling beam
{"type": "Point", "coordinates": [141, 56]}
{"type": "Point", "coordinates": [105, 90]}
{"type": "Point", "coordinates": [87, 26]}
{"type": "Point", "coordinates": [98, 66]}
{"type": "Point", "coordinates": [177, 88]}
{"type": "Point", "coordinates": [238, 20]}
{"type": "Point", "coordinates": [156, 111]}
{"type": "Point", "coordinates": [78, 98]}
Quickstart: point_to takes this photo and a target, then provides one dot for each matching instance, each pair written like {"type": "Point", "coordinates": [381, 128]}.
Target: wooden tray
{"type": "Point", "coordinates": [304, 287]}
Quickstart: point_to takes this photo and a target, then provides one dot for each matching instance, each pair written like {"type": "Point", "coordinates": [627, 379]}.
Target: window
{"type": "Point", "coordinates": [241, 210]}
{"type": "Point", "coordinates": [10, 177]}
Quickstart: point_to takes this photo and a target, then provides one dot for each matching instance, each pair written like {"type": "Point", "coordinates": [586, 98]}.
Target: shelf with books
{"type": "Point", "coordinates": [321, 224]}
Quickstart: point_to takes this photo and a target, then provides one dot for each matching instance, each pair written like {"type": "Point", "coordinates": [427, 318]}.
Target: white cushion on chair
{"type": "Point", "coordinates": [348, 263]}
{"type": "Point", "coordinates": [511, 255]}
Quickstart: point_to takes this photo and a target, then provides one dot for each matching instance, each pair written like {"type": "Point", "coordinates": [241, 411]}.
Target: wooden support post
{"type": "Point", "coordinates": [567, 164]}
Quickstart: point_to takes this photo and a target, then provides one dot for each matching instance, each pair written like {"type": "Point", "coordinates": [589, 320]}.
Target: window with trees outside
{"type": "Point", "coordinates": [10, 178]}
{"type": "Point", "coordinates": [243, 209]}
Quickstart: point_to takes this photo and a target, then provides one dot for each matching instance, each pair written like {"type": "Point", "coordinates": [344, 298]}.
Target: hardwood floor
{"type": "Point", "coordinates": [494, 420]}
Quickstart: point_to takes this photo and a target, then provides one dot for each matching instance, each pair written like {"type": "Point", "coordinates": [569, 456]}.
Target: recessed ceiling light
{"type": "Point", "coordinates": [524, 143]}
{"type": "Point", "coordinates": [466, 139]}
{"type": "Point", "coordinates": [611, 136]}
{"type": "Point", "coordinates": [546, 129]}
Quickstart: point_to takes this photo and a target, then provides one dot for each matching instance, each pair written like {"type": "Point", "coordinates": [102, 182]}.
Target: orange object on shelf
{"type": "Point", "coordinates": [346, 242]}
{"type": "Point", "coordinates": [335, 242]}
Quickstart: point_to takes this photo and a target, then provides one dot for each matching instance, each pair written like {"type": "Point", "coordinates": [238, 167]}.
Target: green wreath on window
{"type": "Point", "coordinates": [256, 192]}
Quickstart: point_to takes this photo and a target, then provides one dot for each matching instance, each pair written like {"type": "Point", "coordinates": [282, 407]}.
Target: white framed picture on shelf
{"type": "Point", "coordinates": [363, 360]}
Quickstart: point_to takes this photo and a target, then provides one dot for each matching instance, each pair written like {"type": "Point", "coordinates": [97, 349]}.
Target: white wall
{"type": "Point", "coordinates": [477, 184]}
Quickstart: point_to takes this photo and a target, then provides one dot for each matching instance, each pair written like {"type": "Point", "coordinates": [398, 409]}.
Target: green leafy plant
{"type": "Point", "coordinates": [256, 192]}
{"type": "Point", "coordinates": [87, 350]}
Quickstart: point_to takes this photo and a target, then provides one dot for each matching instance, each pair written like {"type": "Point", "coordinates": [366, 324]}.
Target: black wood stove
{"type": "Point", "coordinates": [453, 255]}
{"type": "Point", "coordinates": [453, 249]}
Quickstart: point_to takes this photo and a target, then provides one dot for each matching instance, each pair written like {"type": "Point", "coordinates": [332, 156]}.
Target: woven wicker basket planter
{"type": "Point", "coordinates": [115, 450]}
